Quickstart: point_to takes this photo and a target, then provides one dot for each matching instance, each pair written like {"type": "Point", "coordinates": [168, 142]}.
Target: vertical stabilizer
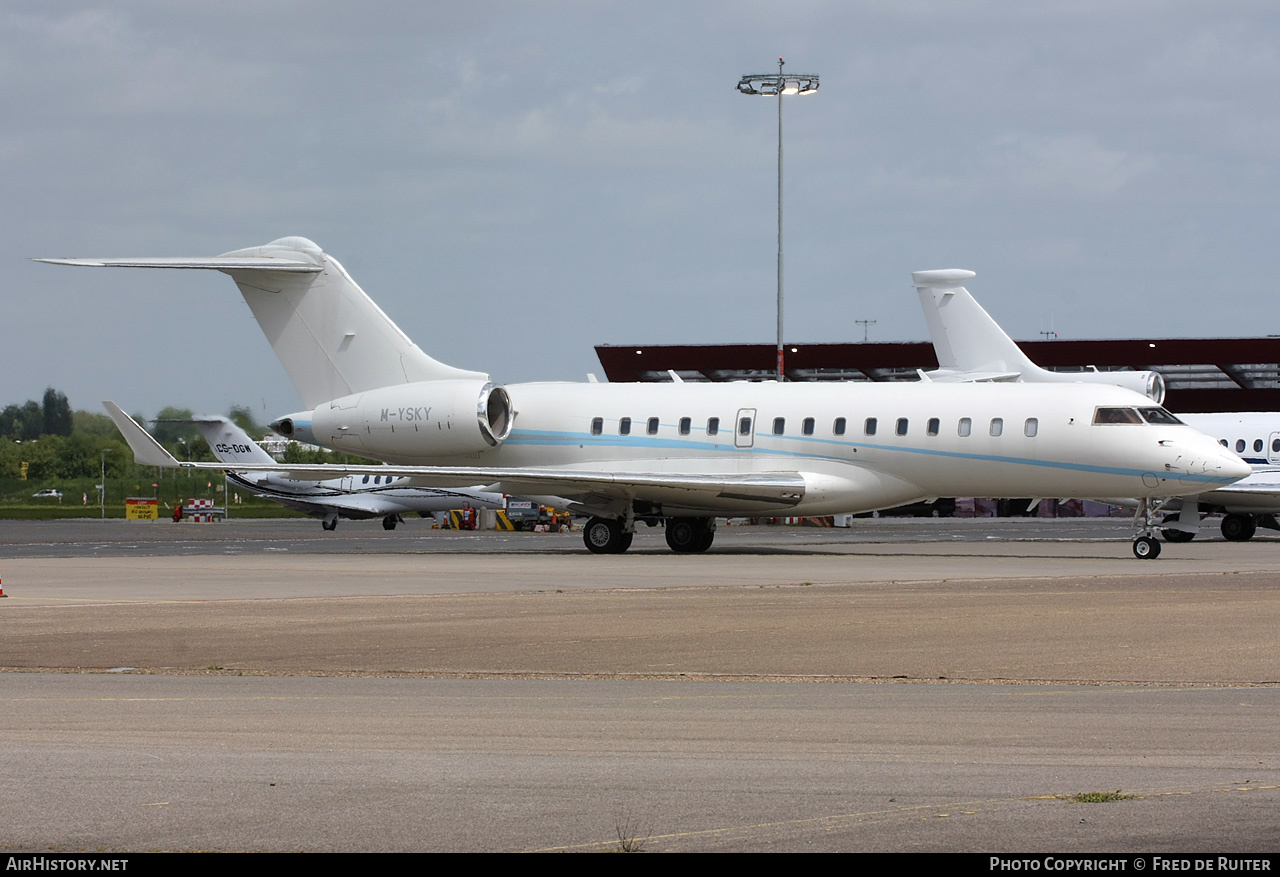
{"type": "Point", "coordinates": [230, 443]}
{"type": "Point", "coordinates": [330, 337]}
{"type": "Point", "coordinates": [964, 336]}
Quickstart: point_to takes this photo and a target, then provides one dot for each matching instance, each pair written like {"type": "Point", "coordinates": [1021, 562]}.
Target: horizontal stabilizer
{"type": "Point", "coordinates": [214, 263]}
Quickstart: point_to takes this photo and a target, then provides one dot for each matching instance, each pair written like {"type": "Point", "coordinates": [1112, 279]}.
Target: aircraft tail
{"type": "Point", "coordinates": [146, 450]}
{"type": "Point", "coordinates": [965, 338]}
{"type": "Point", "coordinates": [328, 334]}
{"type": "Point", "coordinates": [972, 347]}
{"type": "Point", "coordinates": [230, 443]}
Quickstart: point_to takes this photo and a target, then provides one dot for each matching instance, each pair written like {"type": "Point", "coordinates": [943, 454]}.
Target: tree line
{"type": "Point", "coordinates": [57, 443]}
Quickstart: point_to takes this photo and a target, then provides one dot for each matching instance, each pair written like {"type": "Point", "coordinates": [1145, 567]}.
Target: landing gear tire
{"type": "Point", "coordinates": [689, 535]}
{"type": "Point", "coordinates": [605, 536]}
{"type": "Point", "coordinates": [1172, 535]}
{"type": "Point", "coordinates": [330, 523]}
{"type": "Point", "coordinates": [389, 522]}
{"type": "Point", "coordinates": [1238, 528]}
{"type": "Point", "coordinates": [1146, 548]}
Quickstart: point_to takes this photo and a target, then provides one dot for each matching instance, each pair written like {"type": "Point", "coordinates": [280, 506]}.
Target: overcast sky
{"type": "Point", "coordinates": [516, 182]}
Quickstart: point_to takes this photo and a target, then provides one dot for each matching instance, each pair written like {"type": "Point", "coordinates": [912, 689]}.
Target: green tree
{"type": "Point", "coordinates": [56, 413]}
{"type": "Point", "coordinates": [168, 428]}
{"type": "Point", "coordinates": [242, 417]}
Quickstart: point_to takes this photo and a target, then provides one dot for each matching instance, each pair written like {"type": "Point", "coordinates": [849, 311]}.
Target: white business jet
{"type": "Point", "coordinates": [971, 346]}
{"type": "Point", "coordinates": [355, 497]}
{"type": "Point", "coordinates": [688, 453]}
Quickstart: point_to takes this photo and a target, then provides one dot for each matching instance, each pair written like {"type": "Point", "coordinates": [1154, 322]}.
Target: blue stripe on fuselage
{"type": "Point", "coordinates": [532, 437]}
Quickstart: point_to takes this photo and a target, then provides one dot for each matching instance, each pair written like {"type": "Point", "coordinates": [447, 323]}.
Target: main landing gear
{"type": "Point", "coordinates": [390, 521]}
{"type": "Point", "coordinates": [684, 535]}
{"type": "Point", "coordinates": [1239, 528]}
{"type": "Point", "coordinates": [606, 536]}
{"type": "Point", "coordinates": [690, 535]}
{"type": "Point", "coordinates": [330, 521]}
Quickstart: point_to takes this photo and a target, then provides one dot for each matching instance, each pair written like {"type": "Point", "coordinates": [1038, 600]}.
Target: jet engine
{"type": "Point", "coordinates": [1149, 384]}
{"type": "Point", "coordinates": [409, 421]}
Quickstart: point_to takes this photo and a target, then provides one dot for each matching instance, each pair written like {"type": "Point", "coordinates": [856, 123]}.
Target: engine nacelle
{"type": "Point", "coordinates": [409, 421]}
{"type": "Point", "coordinates": [1149, 384]}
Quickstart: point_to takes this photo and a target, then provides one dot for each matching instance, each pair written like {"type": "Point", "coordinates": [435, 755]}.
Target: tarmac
{"type": "Point", "coordinates": [902, 685]}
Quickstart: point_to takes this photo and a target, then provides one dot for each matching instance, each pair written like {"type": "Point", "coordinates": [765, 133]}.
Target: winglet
{"type": "Point", "coordinates": [146, 450]}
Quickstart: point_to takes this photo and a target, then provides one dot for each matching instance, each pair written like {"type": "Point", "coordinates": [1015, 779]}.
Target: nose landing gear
{"type": "Point", "coordinates": [1145, 544]}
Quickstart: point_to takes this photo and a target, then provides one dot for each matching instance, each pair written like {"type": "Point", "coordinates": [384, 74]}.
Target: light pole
{"type": "Point", "coordinates": [777, 85]}
{"type": "Point", "coordinates": [102, 488]}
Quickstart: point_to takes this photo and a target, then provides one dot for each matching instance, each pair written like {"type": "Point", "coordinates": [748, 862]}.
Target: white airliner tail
{"type": "Point", "coordinates": [971, 346]}
{"type": "Point", "coordinates": [230, 443]}
{"type": "Point", "coordinates": [331, 338]}
{"type": "Point", "coordinates": [965, 338]}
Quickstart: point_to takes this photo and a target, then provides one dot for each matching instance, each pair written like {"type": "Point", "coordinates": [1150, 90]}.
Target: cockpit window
{"type": "Point", "coordinates": [1158, 416]}
{"type": "Point", "coordinates": [1116, 415]}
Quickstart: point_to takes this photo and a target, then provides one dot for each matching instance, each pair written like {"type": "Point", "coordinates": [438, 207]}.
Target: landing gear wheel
{"type": "Point", "coordinates": [689, 535]}
{"type": "Point", "coordinates": [389, 522]}
{"type": "Point", "coordinates": [682, 534]}
{"type": "Point", "coordinates": [330, 523]}
{"type": "Point", "coordinates": [1146, 548]}
{"type": "Point", "coordinates": [605, 536]}
{"type": "Point", "coordinates": [1238, 528]}
{"type": "Point", "coordinates": [1172, 535]}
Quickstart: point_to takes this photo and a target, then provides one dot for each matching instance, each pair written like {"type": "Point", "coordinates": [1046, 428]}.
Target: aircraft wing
{"type": "Point", "coordinates": [346, 505]}
{"type": "Point", "coordinates": [590, 487]}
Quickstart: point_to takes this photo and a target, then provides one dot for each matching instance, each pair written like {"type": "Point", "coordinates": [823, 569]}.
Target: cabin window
{"type": "Point", "coordinates": [807, 426]}
{"type": "Point", "coordinates": [744, 426]}
{"type": "Point", "coordinates": [997, 426]}
{"type": "Point", "coordinates": [1158, 415]}
{"type": "Point", "coordinates": [713, 425]}
{"type": "Point", "coordinates": [1257, 445]}
{"type": "Point", "coordinates": [366, 480]}
{"type": "Point", "coordinates": [686, 423]}
{"type": "Point", "coordinates": [1031, 427]}
{"type": "Point", "coordinates": [838, 427]}
{"type": "Point", "coordinates": [870, 426]}
{"type": "Point", "coordinates": [901, 427]}
{"type": "Point", "coordinates": [931, 428]}
{"type": "Point", "coordinates": [779, 425]}
{"type": "Point", "coordinates": [1115, 415]}
{"type": "Point", "coordinates": [1222, 442]}
{"type": "Point", "coordinates": [597, 425]}
{"type": "Point", "coordinates": [624, 426]}
{"type": "Point", "coordinates": [1275, 446]}
{"type": "Point", "coordinates": [965, 426]}
{"type": "Point", "coordinates": [377, 479]}
{"type": "Point", "coordinates": [653, 426]}
{"type": "Point", "coordinates": [1239, 446]}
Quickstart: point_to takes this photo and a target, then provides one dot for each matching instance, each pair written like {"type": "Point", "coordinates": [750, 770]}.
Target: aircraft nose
{"type": "Point", "coordinates": [1231, 466]}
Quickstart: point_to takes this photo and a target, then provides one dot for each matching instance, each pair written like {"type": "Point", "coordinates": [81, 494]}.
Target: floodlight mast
{"type": "Point", "coordinates": [777, 85]}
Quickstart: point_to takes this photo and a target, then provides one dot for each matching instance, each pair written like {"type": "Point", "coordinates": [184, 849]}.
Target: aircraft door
{"type": "Point", "coordinates": [744, 428]}
{"type": "Point", "coordinates": [348, 483]}
{"type": "Point", "coordinates": [1273, 448]}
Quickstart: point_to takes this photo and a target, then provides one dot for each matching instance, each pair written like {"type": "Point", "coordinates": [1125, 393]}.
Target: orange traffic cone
{"type": "Point", "coordinates": [2, 593]}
